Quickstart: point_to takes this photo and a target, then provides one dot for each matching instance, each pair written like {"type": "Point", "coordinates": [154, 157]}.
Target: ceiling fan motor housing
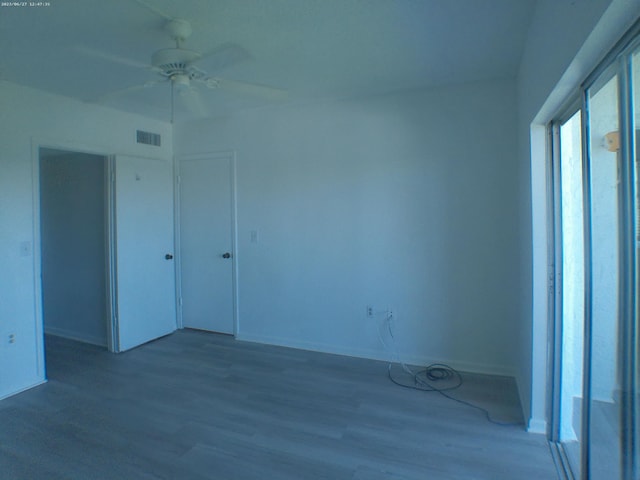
{"type": "Point", "coordinates": [172, 61]}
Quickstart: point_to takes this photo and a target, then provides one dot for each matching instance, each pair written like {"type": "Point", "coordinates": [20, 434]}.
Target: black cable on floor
{"type": "Point", "coordinates": [426, 378]}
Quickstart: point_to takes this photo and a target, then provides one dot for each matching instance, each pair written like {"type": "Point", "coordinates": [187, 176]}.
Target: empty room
{"type": "Point", "coordinates": [319, 239]}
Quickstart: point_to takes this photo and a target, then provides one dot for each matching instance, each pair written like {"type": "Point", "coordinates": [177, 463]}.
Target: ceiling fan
{"type": "Point", "coordinates": [177, 66]}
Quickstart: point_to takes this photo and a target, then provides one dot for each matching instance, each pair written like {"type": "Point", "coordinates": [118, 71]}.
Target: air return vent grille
{"type": "Point", "coordinates": [148, 138]}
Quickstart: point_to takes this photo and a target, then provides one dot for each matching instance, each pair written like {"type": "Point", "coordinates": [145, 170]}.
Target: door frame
{"type": "Point", "coordinates": [112, 328]}
{"type": "Point", "coordinates": [555, 255]}
{"type": "Point", "coordinates": [229, 155]}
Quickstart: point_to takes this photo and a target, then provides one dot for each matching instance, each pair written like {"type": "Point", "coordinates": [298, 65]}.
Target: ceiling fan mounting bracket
{"type": "Point", "coordinates": [178, 29]}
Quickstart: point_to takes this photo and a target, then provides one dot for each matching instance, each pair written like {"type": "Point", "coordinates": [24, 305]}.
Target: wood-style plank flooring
{"type": "Point", "coordinates": [196, 405]}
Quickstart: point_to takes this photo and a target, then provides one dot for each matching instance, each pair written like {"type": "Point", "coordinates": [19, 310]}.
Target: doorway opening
{"type": "Point", "coordinates": [74, 231]}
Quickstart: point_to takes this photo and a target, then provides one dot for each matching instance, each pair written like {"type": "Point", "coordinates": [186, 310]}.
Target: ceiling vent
{"type": "Point", "coordinates": [148, 138]}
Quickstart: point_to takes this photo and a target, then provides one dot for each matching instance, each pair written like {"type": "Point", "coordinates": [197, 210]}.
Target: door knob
{"type": "Point", "coordinates": [168, 256]}
{"type": "Point", "coordinates": [226, 255]}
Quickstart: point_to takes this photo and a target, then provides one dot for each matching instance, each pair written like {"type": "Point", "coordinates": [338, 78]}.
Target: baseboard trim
{"type": "Point", "coordinates": [61, 332]}
{"type": "Point", "coordinates": [24, 389]}
{"type": "Point", "coordinates": [485, 369]}
{"type": "Point", "coordinates": [536, 425]}
{"type": "Point", "coordinates": [525, 412]}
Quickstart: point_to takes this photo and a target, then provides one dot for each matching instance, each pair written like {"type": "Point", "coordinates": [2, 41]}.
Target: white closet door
{"type": "Point", "coordinates": [145, 273]}
{"type": "Point", "coordinates": [206, 242]}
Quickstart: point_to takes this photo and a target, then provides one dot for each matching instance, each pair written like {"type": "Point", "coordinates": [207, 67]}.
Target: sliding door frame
{"type": "Point", "coordinates": [619, 61]}
{"type": "Point", "coordinates": [555, 282]}
{"type": "Point", "coordinates": [628, 253]}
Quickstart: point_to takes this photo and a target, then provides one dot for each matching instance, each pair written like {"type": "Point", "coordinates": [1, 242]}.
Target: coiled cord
{"type": "Point", "coordinates": [437, 377]}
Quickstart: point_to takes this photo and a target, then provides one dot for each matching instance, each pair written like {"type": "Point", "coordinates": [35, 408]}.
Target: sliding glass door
{"type": "Point", "coordinates": [596, 237]}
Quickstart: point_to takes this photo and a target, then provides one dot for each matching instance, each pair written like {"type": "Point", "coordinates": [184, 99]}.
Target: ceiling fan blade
{"type": "Point", "coordinates": [224, 56]}
{"type": "Point", "coordinates": [111, 57]}
{"type": "Point", "coordinates": [125, 91]}
{"type": "Point", "coordinates": [153, 9]}
{"type": "Point", "coordinates": [243, 88]}
{"type": "Point", "coordinates": [194, 102]}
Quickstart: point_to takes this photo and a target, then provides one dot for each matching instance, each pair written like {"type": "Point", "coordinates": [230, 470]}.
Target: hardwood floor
{"type": "Point", "coordinates": [203, 406]}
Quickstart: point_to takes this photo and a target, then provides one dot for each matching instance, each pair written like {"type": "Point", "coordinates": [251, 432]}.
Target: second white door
{"type": "Point", "coordinates": [206, 242]}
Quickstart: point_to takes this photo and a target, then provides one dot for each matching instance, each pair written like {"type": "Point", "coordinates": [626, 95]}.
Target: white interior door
{"type": "Point", "coordinates": [145, 273]}
{"type": "Point", "coordinates": [206, 242]}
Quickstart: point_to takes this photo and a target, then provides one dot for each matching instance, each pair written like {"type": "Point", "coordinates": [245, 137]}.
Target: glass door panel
{"type": "Point", "coordinates": [571, 199]}
{"type": "Point", "coordinates": [604, 413]}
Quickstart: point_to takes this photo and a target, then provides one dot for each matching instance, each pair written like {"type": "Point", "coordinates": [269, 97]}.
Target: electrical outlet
{"type": "Point", "coordinates": [390, 312]}
{"type": "Point", "coordinates": [369, 311]}
{"type": "Point", "coordinates": [7, 340]}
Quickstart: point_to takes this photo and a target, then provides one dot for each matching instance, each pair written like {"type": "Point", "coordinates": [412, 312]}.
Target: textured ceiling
{"type": "Point", "coordinates": [313, 49]}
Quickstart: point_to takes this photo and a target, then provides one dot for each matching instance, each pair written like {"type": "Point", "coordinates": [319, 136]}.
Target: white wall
{"type": "Point", "coordinates": [27, 115]}
{"type": "Point", "coordinates": [73, 245]}
{"type": "Point", "coordinates": [565, 41]}
{"type": "Point", "coordinates": [405, 201]}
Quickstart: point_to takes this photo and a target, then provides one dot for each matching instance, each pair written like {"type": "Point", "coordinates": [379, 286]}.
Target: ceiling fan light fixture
{"type": "Point", "coordinates": [181, 82]}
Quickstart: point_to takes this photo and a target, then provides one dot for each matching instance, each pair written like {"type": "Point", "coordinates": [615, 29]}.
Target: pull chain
{"type": "Point", "coordinates": [172, 100]}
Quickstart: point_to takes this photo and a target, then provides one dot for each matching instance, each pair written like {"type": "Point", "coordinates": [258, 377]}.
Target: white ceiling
{"type": "Point", "coordinates": [310, 48]}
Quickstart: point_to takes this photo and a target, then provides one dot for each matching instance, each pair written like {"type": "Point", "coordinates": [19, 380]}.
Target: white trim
{"type": "Point", "coordinates": [521, 397]}
{"type": "Point", "coordinates": [234, 244]}
{"type": "Point", "coordinates": [37, 260]}
{"type": "Point", "coordinates": [177, 265]}
{"type": "Point", "coordinates": [113, 333]}
{"type": "Point", "coordinates": [537, 425]}
{"type": "Point", "coordinates": [540, 275]}
{"type": "Point", "coordinates": [37, 383]}
{"type": "Point", "coordinates": [71, 335]}
{"type": "Point", "coordinates": [371, 354]}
